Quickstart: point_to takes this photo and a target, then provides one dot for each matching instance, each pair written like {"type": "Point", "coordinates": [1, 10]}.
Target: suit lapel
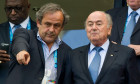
{"type": "Point", "coordinates": [109, 59]}
{"type": "Point", "coordinates": [83, 56]}
{"type": "Point", "coordinates": [6, 32]}
{"type": "Point", "coordinates": [40, 49]}
{"type": "Point", "coordinates": [60, 57]}
{"type": "Point", "coordinates": [121, 20]}
{"type": "Point", "coordinates": [137, 27]}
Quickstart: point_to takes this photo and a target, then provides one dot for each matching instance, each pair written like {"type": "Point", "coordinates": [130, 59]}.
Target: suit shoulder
{"type": "Point", "coordinates": [124, 48]}
{"type": "Point", "coordinates": [82, 48]}
{"type": "Point", "coordinates": [116, 11]}
{"type": "Point", "coordinates": [3, 25]}
{"type": "Point", "coordinates": [65, 46]}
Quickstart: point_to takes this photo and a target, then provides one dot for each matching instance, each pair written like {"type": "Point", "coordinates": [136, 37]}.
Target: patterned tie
{"type": "Point", "coordinates": [15, 27]}
{"type": "Point", "coordinates": [129, 29]}
{"type": "Point", "coordinates": [95, 64]}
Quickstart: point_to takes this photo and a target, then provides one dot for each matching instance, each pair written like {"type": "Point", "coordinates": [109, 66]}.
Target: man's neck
{"type": "Point", "coordinates": [50, 45]}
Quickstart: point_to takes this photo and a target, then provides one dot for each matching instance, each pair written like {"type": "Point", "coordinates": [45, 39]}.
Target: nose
{"type": "Point", "coordinates": [94, 27]}
{"type": "Point", "coordinates": [51, 28]}
{"type": "Point", "coordinates": [13, 12]}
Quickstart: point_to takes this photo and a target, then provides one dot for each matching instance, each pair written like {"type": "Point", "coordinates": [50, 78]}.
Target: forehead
{"type": "Point", "coordinates": [55, 16]}
{"type": "Point", "coordinates": [96, 16]}
{"type": "Point", "coordinates": [132, 0]}
{"type": "Point", "coordinates": [15, 2]}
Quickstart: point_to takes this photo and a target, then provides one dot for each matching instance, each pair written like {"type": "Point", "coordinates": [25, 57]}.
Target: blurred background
{"type": "Point", "coordinates": [77, 9]}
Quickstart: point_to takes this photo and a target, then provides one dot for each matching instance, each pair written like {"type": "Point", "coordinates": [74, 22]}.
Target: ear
{"type": "Point", "coordinates": [38, 23]}
{"type": "Point", "coordinates": [109, 30]}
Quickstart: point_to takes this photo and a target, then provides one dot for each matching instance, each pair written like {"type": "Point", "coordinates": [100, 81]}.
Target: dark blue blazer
{"type": "Point", "coordinates": [33, 73]}
{"type": "Point", "coordinates": [119, 16]}
{"type": "Point", "coordinates": [118, 67]}
{"type": "Point", "coordinates": [5, 38]}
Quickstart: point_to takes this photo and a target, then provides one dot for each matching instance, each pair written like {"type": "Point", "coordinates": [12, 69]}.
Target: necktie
{"type": "Point", "coordinates": [129, 29]}
{"type": "Point", "coordinates": [15, 27]}
{"type": "Point", "coordinates": [95, 64]}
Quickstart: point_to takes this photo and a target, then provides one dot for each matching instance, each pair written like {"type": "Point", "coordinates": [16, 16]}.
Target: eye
{"type": "Point", "coordinates": [99, 23]}
{"type": "Point", "coordinates": [90, 24]}
{"type": "Point", "coordinates": [57, 25]}
{"type": "Point", "coordinates": [18, 8]}
{"type": "Point", "coordinates": [47, 24]}
{"type": "Point", "coordinates": [8, 8]}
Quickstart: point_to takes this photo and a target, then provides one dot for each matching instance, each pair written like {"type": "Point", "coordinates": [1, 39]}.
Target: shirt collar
{"type": "Point", "coordinates": [130, 10]}
{"type": "Point", "coordinates": [58, 40]}
{"type": "Point", "coordinates": [23, 24]}
{"type": "Point", "coordinates": [104, 46]}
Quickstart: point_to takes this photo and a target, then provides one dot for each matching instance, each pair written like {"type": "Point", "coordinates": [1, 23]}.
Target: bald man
{"type": "Point", "coordinates": [103, 62]}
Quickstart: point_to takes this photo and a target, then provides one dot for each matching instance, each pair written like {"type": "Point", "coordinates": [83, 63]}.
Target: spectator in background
{"type": "Point", "coordinates": [17, 14]}
{"type": "Point", "coordinates": [119, 3]}
{"type": "Point", "coordinates": [126, 26]}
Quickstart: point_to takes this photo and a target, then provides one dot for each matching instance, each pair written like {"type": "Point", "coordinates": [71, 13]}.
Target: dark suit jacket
{"type": "Point", "coordinates": [119, 3]}
{"type": "Point", "coordinates": [5, 38]}
{"type": "Point", "coordinates": [33, 73]}
{"type": "Point", "coordinates": [117, 69]}
{"type": "Point", "coordinates": [119, 17]}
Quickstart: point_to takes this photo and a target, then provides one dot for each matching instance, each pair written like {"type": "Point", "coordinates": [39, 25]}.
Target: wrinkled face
{"type": "Point", "coordinates": [96, 28]}
{"type": "Point", "coordinates": [51, 26]}
{"type": "Point", "coordinates": [17, 10]}
{"type": "Point", "coordinates": [134, 4]}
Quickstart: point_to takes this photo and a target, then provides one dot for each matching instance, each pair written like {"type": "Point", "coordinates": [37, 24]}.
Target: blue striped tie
{"type": "Point", "coordinates": [15, 27]}
{"type": "Point", "coordinates": [129, 29]}
{"type": "Point", "coordinates": [95, 64]}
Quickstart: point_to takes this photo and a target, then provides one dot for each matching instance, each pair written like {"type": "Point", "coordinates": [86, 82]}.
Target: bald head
{"type": "Point", "coordinates": [98, 27]}
{"type": "Point", "coordinates": [107, 16]}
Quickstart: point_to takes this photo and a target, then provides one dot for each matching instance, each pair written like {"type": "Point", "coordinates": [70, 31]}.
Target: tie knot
{"type": "Point", "coordinates": [134, 13]}
{"type": "Point", "coordinates": [17, 26]}
{"type": "Point", "coordinates": [98, 49]}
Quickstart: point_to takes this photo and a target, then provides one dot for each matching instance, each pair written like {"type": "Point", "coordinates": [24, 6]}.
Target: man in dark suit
{"type": "Point", "coordinates": [17, 13]}
{"type": "Point", "coordinates": [121, 18]}
{"type": "Point", "coordinates": [38, 56]}
{"type": "Point", "coordinates": [119, 3]}
{"type": "Point", "coordinates": [103, 62]}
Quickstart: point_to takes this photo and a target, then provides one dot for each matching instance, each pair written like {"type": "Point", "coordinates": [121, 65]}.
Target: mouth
{"type": "Point", "coordinates": [13, 18]}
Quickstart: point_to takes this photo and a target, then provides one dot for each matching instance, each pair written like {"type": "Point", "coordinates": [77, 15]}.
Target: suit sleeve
{"type": "Point", "coordinates": [132, 69]}
{"type": "Point", "coordinates": [20, 41]}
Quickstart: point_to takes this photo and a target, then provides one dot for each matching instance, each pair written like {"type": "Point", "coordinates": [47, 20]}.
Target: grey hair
{"type": "Point", "coordinates": [108, 17]}
{"type": "Point", "coordinates": [51, 8]}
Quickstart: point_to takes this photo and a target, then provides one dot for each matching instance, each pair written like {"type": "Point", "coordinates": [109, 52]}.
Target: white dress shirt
{"type": "Point", "coordinates": [50, 70]}
{"type": "Point", "coordinates": [129, 15]}
{"type": "Point", "coordinates": [102, 53]}
{"type": "Point", "coordinates": [23, 24]}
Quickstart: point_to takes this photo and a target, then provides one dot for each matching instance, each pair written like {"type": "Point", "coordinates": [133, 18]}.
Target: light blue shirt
{"type": "Point", "coordinates": [129, 15]}
{"type": "Point", "coordinates": [102, 53]}
{"type": "Point", "coordinates": [49, 57]}
{"type": "Point", "coordinates": [23, 24]}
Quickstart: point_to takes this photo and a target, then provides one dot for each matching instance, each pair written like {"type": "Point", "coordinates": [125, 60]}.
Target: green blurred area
{"type": "Point", "coordinates": [77, 9]}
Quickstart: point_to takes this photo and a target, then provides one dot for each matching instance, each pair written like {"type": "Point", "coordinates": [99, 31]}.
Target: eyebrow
{"type": "Point", "coordinates": [95, 21]}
